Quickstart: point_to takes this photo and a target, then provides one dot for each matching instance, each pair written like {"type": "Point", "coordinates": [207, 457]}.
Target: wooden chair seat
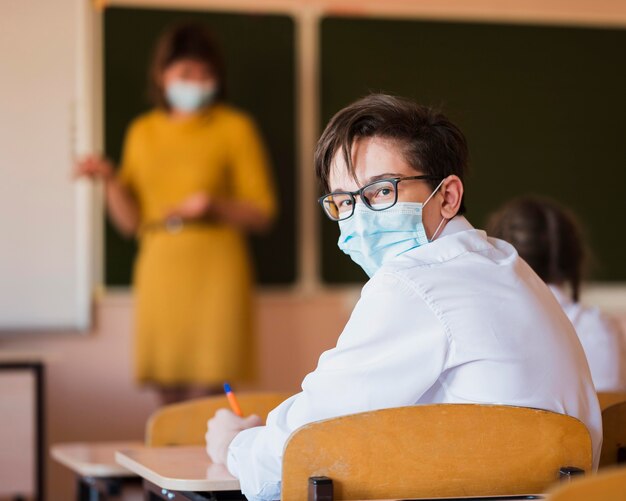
{"type": "Point", "coordinates": [608, 485]}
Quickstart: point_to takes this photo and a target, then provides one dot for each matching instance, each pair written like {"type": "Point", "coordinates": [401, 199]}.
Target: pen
{"type": "Point", "coordinates": [234, 405]}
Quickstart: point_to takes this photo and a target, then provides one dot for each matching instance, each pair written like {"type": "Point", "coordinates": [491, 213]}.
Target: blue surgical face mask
{"type": "Point", "coordinates": [189, 96]}
{"type": "Point", "coordinates": [372, 238]}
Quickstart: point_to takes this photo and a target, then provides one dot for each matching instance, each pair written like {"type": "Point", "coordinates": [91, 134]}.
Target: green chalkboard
{"type": "Point", "coordinates": [259, 52]}
{"type": "Point", "coordinates": [543, 107]}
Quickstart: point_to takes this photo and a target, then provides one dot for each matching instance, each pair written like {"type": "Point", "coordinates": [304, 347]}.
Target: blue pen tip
{"type": "Point", "coordinates": [227, 388]}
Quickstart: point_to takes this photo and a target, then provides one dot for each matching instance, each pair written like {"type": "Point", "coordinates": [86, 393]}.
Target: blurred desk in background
{"type": "Point", "coordinates": [98, 475]}
{"type": "Point", "coordinates": [22, 426]}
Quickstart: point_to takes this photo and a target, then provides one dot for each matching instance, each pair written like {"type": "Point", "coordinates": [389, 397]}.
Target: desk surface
{"type": "Point", "coordinates": [19, 357]}
{"type": "Point", "coordinates": [185, 468]}
{"type": "Point", "coordinates": [93, 459]}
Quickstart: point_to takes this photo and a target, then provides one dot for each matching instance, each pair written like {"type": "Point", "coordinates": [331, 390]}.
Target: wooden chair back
{"type": "Point", "coordinates": [607, 399]}
{"type": "Point", "coordinates": [613, 435]}
{"type": "Point", "coordinates": [186, 423]}
{"type": "Point", "coordinates": [608, 485]}
{"type": "Point", "coordinates": [431, 451]}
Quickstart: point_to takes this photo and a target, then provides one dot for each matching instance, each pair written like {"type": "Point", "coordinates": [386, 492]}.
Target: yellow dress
{"type": "Point", "coordinates": [193, 287]}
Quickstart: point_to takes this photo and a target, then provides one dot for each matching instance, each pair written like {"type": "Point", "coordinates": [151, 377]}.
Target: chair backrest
{"type": "Point", "coordinates": [608, 485]}
{"type": "Point", "coordinates": [607, 399]}
{"type": "Point", "coordinates": [444, 450]}
{"type": "Point", "coordinates": [186, 423]}
{"type": "Point", "coordinates": [613, 435]}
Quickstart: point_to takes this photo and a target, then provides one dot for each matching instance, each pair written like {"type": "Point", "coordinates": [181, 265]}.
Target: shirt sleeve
{"type": "Point", "coordinates": [392, 350]}
{"type": "Point", "coordinates": [605, 347]}
{"type": "Point", "coordinates": [621, 349]}
{"type": "Point", "coordinates": [127, 173]}
{"type": "Point", "coordinates": [251, 168]}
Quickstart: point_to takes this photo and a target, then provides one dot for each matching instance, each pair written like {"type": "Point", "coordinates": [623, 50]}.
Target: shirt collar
{"type": "Point", "coordinates": [454, 225]}
{"type": "Point", "coordinates": [457, 238]}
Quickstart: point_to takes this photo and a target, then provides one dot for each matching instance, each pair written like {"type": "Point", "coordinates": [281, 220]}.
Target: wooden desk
{"type": "Point", "coordinates": [183, 472]}
{"type": "Point", "coordinates": [93, 459]}
{"type": "Point", "coordinates": [98, 475]}
{"type": "Point", "coordinates": [186, 473]}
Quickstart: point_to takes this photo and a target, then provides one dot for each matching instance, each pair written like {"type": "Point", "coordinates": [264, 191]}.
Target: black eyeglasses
{"type": "Point", "coordinates": [378, 195]}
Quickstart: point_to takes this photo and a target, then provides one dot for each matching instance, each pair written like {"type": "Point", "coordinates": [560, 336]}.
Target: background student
{"type": "Point", "coordinates": [194, 179]}
{"type": "Point", "coordinates": [550, 240]}
{"type": "Point", "coordinates": [448, 315]}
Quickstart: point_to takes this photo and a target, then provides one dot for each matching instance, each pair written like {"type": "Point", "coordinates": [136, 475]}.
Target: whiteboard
{"type": "Point", "coordinates": [45, 217]}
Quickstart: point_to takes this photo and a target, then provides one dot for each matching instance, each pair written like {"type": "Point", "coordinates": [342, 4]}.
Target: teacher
{"type": "Point", "coordinates": [193, 181]}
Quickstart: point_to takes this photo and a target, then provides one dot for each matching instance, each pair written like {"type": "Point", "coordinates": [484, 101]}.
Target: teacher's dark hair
{"type": "Point", "coordinates": [185, 41]}
{"type": "Point", "coordinates": [429, 141]}
{"type": "Point", "coordinates": [547, 236]}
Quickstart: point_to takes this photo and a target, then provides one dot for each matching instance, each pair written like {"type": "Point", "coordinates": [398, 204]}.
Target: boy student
{"type": "Point", "coordinates": [448, 315]}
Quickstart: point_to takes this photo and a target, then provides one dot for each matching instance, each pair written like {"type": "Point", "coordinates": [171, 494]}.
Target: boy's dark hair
{"type": "Point", "coordinates": [185, 41]}
{"type": "Point", "coordinates": [546, 236]}
{"type": "Point", "coordinates": [430, 143]}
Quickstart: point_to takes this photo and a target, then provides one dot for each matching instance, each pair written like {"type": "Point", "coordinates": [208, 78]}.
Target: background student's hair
{"type": "Point", "coordinates": [547, 236]}
{"type": "Point", "coordinates": [430, 142]}
{"type": "Point", "coordinates": [185, 41]}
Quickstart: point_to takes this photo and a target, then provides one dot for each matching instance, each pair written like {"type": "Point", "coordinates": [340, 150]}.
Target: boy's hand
{"type": "Point", "coordinates": [222, 429]}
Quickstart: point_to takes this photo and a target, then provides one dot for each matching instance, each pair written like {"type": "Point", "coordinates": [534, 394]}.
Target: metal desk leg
{"type": "Point", "coordinates": [40, 409]}
{"type": "Point", "coordinates": [153, 492]}
{"type": "Point", "coordinates": [98, 489]}
{"type": "Point", "coordinates": [82, 490]}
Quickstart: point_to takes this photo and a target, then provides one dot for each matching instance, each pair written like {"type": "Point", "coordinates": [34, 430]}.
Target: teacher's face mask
{"type": "Point", "coordinates": [372, 238]}
{"type": "Point", "coordinates": [189, 96]}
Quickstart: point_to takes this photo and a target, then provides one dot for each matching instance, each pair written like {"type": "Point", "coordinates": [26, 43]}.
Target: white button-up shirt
{"type": "Point", "coordinates": [460, 320]}
{"type": "Point", "coordinates": [602, 339]}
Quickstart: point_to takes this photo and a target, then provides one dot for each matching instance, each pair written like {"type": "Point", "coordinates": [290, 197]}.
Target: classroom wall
{"type": "Point", "coordinates": [17, 413]}
{"type": "Point", "coordinates": [90, 392]}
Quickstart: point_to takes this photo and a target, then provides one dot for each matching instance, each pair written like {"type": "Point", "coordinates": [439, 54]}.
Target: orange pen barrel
{"type": "Point", "coordinates": [234, 405]}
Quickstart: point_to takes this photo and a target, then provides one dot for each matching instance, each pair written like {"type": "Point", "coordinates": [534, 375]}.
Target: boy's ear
{"type": "Point", "coordinates": [452, 193]}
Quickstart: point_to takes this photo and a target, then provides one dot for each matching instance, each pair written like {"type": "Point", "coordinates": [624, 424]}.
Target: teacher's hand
{"type": "Point", "coordinates": [222, 429]}
{"type": "Point", "coordinates": [94, 167]}
{"type": "Point", "coordinates": [196, 206]}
